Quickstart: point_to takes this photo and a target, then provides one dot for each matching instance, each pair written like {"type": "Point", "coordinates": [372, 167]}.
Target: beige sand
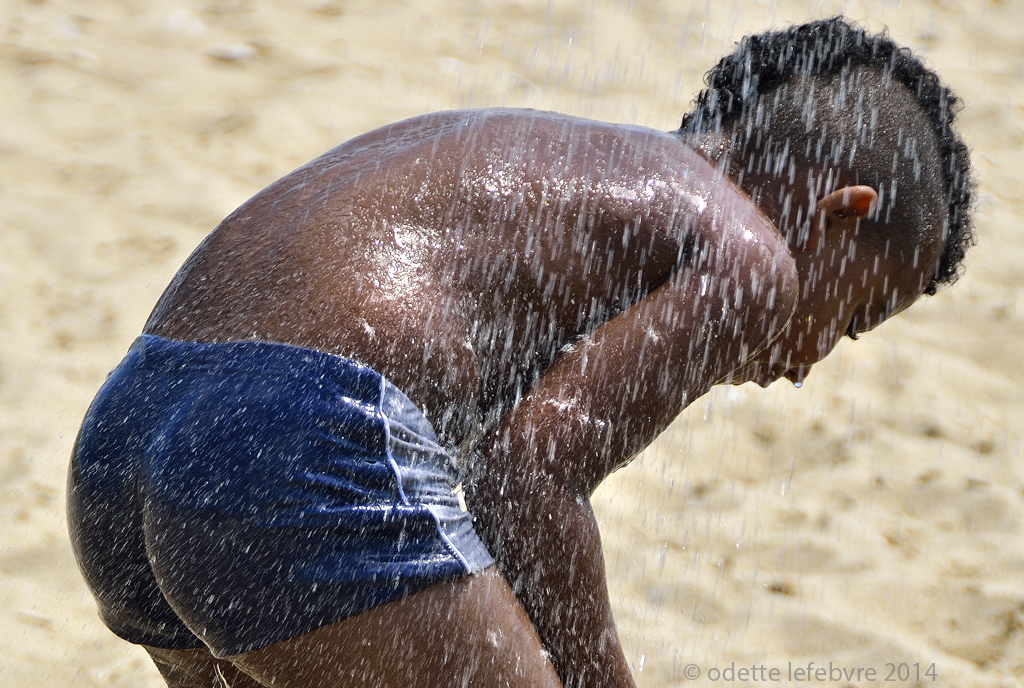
{"type": "Point", "coordinates": [873, 516]}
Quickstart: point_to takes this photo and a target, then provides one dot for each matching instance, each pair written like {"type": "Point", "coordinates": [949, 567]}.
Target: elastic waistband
{"type": "Point", "coordinates": [267, 358]}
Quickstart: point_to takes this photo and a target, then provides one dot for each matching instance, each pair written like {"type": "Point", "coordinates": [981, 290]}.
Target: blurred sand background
{"type": "Point", "coordinates": [873, 516]}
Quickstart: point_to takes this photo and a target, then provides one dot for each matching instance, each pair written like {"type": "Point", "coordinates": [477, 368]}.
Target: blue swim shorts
{"type": "Point", "coordinates": [237, 495]}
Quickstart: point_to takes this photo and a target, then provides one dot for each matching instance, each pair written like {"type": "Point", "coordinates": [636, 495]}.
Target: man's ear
{"type": "Point", "coordinates": [841, 208]}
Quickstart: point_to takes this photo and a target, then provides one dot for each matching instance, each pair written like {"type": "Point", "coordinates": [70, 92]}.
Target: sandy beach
{"type": "Point", "coordinates": [874, 517]}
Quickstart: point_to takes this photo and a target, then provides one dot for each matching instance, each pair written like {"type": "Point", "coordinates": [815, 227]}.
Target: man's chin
{"type": "Point", "coordinates": [797, 375]}
{"type": "Point", "coordinates": [763, 374]}
{"type": "Point", "coordinates": [758, 372]}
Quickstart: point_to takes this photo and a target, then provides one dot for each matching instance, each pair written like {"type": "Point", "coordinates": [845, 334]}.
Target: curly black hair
{"type": "Point", "coordinates": [763, 62]}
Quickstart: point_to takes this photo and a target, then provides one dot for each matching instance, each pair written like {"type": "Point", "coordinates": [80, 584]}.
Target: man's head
{"type": "Point", "coordinates": [845, 140]}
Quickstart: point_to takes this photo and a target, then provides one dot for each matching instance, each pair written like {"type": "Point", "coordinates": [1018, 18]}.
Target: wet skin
{"type": "Point", "coordinates": [552, 292]}
{"type": "Point", "coordinates": [457, 252]}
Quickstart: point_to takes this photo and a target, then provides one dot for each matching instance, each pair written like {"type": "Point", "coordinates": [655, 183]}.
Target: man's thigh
{"type": "Point", "coordinates": [467, 632]}
{"type": "Point", "coordinates": [198, 669]}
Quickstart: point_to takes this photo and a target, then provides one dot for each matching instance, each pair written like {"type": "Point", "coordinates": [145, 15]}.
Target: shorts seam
{"type": "Point", "coordinates": [455, 551]}
{"type": "Point", "coordinates": [387, 444]}
{"type": "Point", "coordinates": [449, 545]}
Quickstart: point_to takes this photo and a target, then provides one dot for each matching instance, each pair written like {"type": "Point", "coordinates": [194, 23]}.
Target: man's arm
{"type": "Point", "coordinates": [598, 406]}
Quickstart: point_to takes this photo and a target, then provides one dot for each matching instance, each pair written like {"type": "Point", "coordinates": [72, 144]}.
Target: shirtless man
{"type": "Point", "coordinates": [264, 491]}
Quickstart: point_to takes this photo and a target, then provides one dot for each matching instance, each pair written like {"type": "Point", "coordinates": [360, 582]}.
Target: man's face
{"type": "Point", "coordinates": [847, 286]}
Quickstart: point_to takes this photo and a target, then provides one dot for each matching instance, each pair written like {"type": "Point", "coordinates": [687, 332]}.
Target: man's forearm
{"type": "Point", "coordinates": [545, 539]}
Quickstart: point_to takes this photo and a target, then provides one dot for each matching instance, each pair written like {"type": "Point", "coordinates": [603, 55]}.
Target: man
{"type": "Point", "coordinates": [266, 489]}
